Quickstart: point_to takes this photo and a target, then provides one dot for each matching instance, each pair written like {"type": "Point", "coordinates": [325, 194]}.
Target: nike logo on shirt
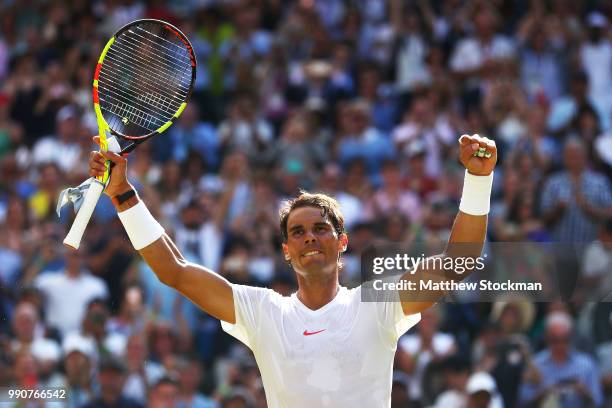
{"type": "Point", "coordinates": [307, 333]}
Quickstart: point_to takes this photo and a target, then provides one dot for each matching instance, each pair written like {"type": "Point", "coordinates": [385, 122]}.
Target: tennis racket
{"type": "Point", "coordinates": [141, 85]}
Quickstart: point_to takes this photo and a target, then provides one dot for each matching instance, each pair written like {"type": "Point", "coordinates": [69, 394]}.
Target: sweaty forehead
{"type": "Point", "coordinates": [306, 216]}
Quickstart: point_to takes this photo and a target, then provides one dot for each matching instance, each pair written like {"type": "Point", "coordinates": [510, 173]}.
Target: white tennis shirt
{"type": "Point", "coordinates": [340, 355]}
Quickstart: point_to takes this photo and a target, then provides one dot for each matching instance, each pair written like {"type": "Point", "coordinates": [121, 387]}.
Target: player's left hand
{"type": "Point", "coordinates": [478, 154]}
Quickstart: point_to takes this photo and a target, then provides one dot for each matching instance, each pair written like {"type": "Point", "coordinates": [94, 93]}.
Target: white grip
{"type": "Point", "coordinates": [92, 195]}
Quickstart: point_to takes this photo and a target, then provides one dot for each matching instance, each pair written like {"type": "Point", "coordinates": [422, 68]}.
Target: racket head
{"type": "Point", "coordinates": [143, 80]}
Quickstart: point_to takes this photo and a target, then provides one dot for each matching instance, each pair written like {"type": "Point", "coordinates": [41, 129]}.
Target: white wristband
{"type": "Point", "coordinates": [140, 225]}
{"type": "Point", "coordinates": [476, 196]}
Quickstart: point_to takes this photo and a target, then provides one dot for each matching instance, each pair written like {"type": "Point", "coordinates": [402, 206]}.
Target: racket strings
{"type": "Point", "coordinates": [143, 81]}
{"type": "Point", "coordinates": [133, 46]}
{"type": "Point", "coordinates": [179, 50]}
{"type": "Point", "coordinates": [117, 65]}
{"type": "Point", "coordinates": [133, 113]}
{"type": "Point", "coordinates": [154, 79]}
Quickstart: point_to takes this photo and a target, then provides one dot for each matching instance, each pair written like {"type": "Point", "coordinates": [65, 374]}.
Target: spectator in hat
{"type": "Point", "coordinates": [48, 356]}
{"type": "Point", "coordinates": [477, 390]}
{"type": "Point", "coordinates": [481, 391]}
{"type": "Point", "coordinates": [506, 358]}
{"type": "Point", "coordinates": [80, 358]}
{"type": "Point", "coordinates": [111, 376]}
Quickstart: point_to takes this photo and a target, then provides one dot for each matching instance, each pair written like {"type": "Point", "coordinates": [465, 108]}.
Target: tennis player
{"type": "Point", "coordinates": [322, 346]}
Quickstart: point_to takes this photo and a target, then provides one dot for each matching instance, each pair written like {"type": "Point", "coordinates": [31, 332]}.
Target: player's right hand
{"type": "Point", "coordinates": [118, 183]}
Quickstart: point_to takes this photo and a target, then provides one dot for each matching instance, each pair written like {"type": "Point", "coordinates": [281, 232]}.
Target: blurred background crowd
{"type": "Point", "coordinates": [361, 99]}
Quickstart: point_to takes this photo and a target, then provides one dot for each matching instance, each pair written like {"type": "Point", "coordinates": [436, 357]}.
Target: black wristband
{"type": "Point", "coordinates": [122, 198]}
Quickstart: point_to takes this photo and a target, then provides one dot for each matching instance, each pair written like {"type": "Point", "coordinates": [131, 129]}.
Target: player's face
{"type": "Point", "coordinates": [312, 244]}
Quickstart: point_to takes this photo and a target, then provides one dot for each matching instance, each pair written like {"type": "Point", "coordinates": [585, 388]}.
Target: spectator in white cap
{"type": "Point", "coordinates": [48, 355]}
{"type": "Point", "coordinates": [79, 360]}
{"type": "Point", "coordinates": [482, 391]}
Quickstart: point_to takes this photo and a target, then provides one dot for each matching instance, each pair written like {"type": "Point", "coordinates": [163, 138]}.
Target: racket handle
{"type": "Point", "coordinates": [92, 195]}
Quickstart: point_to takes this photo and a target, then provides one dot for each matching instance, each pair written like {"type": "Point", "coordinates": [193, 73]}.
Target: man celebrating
{"type": "Point", "coordinates": [321, 346]}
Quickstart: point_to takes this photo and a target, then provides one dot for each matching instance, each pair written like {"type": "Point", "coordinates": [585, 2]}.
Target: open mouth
{"type": "Point", "coordinates": [311, 253]}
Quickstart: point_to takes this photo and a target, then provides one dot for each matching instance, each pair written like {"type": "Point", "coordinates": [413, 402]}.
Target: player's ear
{"type": "Point", "coordinates": [286, 252]}
{"type": "Point", "coordinates": [343, 242]}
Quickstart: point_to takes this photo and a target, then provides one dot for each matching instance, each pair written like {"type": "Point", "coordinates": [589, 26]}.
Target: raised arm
{"type": "Point", "coordinates": [470, 226]}
{"type": "Point", "coordinates": [207, 289]}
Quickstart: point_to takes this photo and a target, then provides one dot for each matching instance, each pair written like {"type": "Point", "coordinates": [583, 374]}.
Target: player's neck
{"type": "Point", "coordinates": [315, 294]}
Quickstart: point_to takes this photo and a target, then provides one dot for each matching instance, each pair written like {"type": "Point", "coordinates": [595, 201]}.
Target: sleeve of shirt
{"type": "Point", "coordinates": [392, 321]}
{"type": "Point", "coordinates": [605, 193]}
{"type": "Point", "coordinates": [594, 384]}
{"type": "Point", "coordinates": [248, 306]}
{"type": "Point", "coordinates": [42, 282]}
{"type": "Point", "coordinates": [548, 198]}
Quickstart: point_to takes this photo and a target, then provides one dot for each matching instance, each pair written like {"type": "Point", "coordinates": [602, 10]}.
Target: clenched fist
{"type": "Point", "coordinates": [477, 164]}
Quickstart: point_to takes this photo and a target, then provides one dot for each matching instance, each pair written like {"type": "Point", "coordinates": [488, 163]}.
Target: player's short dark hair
{"type": "Point", "coordinates": [328, 205]}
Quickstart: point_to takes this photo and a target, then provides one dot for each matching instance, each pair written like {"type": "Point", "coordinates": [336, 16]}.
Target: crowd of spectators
{"type": "Point", "coordinates": [360, 99]}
